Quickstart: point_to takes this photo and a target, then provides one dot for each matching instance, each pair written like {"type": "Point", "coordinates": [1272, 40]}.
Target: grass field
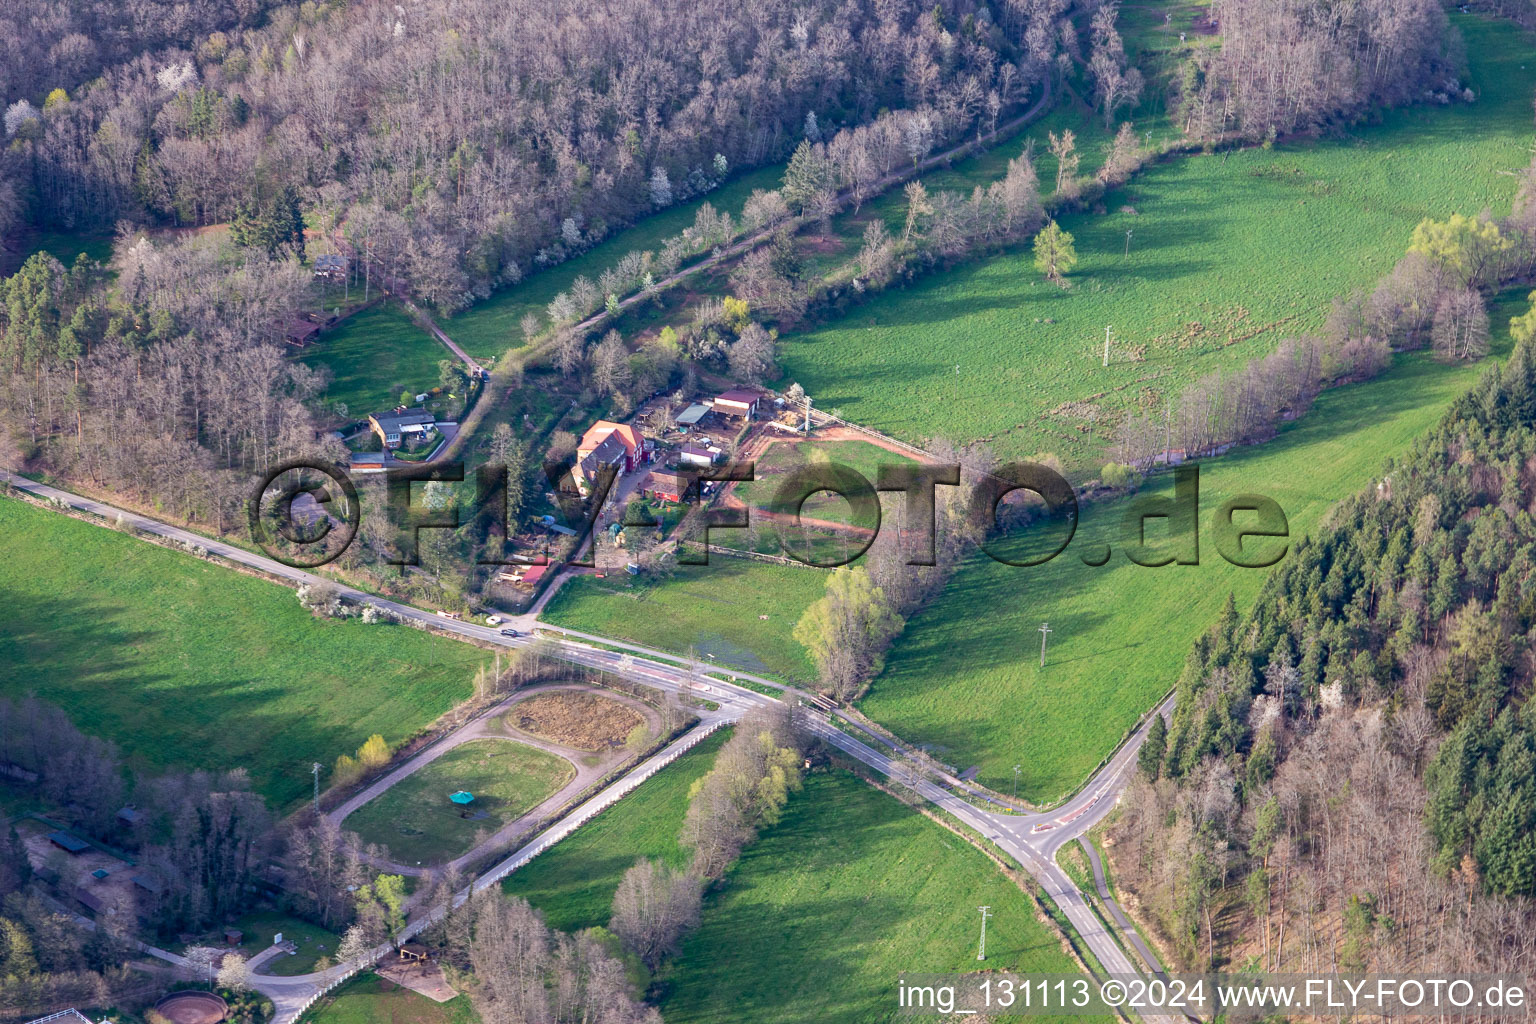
{"type": "Point", "coordinates": [417, 822]}
{"type": "Point", "coordinates": [373, 357]}
{"type": "Point", "coordinates": [716, 608]}
{"type": "Point", "coordinates": [573, 884]}
{"type": "Point", "coordinates": [971, 684]}
{"type": "Point", "coordinates": [369, 999]}
{"type": "Point", "coordinates": [829, 906]}
{"type": "Point", "coordinates": [65, 246]}
{"type": "Point", "coordinates": [875, 889]}
{"type": "Point", "coordinates": [787, 456]}
{"type": "Point", "coordinates": [186, 664]}
{"type": "Point", "coordinates": [1250, 246]}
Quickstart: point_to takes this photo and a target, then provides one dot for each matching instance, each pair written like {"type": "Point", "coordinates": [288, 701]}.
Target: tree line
{"type": "Point", "coordinates": [169, 385]}
{"type": "Point", "coordinates": [1433, 297]}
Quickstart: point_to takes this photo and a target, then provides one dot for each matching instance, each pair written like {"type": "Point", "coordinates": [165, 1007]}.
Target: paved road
{"type": "Point", "coordinates": [1121, 921]}
{"type": "Point", "coordinates": [1030, 839]}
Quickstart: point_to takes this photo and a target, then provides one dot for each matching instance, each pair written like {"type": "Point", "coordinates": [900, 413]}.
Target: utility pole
{"type": "Point", "coordinates": [1045, 632]}
{"type": "Point", "coordinates": [1106, 344]}
{"type": "Point", "coordinates": [981, 951]}
{"type": "Point", "coordinates": [1016, 781]}
{"type": "Point", "coordinates": [314, 770]}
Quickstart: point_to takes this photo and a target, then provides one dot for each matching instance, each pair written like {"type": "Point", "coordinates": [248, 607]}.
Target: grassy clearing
{"type": "Point", "coordinates": [717, 608]}
{"type": "Point", "coordinates": [420, 825]}
{"type": "Point", "coordinates": [64, 246]}
{"type": "Point", "coordinates": [829, 906]}
{"type": "Point", "coordinates": [373, 357]}
{"type": "Point", "coordinates": [185, 664]}
{"type": "Point", "coordinates": [573, 884]}
{"type": "Point", "coordinates": [1228, 253]}
{"type": "Point", "coordinates": [491, 327]}
{"type": "Point", "coordinates": [258, 929]}
{"type": "Point", "coordinates": [369, 999]}
{"type": "Point", "coordinates": [971, 684]}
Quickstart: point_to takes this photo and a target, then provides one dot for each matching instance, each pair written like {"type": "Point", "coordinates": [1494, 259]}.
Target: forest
{"type": "Point", "coordinates": [1346, 783]}
{"type": "Point", "coordinates": [464, 144]}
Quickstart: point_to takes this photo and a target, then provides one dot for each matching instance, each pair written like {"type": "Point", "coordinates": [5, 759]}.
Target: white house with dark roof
{"type": "Point", "coordinates": [395, 427]}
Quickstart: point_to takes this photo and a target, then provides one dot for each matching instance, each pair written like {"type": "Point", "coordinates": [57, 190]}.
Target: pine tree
{"type": "Point", "coordinates": [1150, 758]}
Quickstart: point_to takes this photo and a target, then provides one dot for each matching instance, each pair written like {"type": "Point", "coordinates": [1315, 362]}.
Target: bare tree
{"type": "Point", "coordinates": [653, 908]}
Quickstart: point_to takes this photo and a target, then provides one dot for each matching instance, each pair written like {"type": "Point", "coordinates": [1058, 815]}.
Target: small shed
{"type": "Point", "coordinates": [371, 462]}
{"type": "Point", "coordinates": [666, 486]}
{"type": "Point", "coordinates": [331, 265]}
{"type": "Point", "coordinates": [149, 883]}
{"type": "Point", "coordinates": [698, 455]}
{"type": "Point", "coordinates": [67, 842]}
{"type": "Point", "coordinates": [691, 416]}
{"type": "Point", "coordinates": [300, 332]}
{"type": "Point", "coordinates": [534, 574]}
{"type": "Point", "coordinates": [232, 936]}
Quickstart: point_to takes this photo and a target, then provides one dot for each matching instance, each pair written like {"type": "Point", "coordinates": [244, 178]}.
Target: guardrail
{"type": "Point", "coordinates": [597, 805]}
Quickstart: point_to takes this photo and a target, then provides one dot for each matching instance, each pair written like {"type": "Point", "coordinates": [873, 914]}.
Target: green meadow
{"type": "Point", "coordinates": [876, 889]}
{"type": "Point", "coordinates": [185, 664]}
{"type": "Point", "coordinates": [573, 884]}
{"type": "Point", "coordinates": [739, 612]}
{"type": "Point", "coordinates": [370, 999]}
{"type": "Point", "coordinates": [828, 907]}
{"type": "Point", "coordinates": [1228, 253]}
{"type": "Point", "coordinates": [971, 684]}
{"type": "Point", "coordinates": [373, 357]}
{"type": "Point", "coordinates": [417, 822]}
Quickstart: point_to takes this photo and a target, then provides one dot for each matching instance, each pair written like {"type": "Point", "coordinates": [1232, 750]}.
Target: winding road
{"type": "Point", "coordinates": [1030, 839]}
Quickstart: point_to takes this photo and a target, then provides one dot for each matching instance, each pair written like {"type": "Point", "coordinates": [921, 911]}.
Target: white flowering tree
{"type": "Point", "coordinates": [173, 77]}
{"type": "Point", "coordinates": [17, 115]}
{"type": "Point", "coordinates": [661, 188]}
{"type": "Point", "coordinates": [235, 973]}
{"type": "Point", "coordinates": [203, 960]}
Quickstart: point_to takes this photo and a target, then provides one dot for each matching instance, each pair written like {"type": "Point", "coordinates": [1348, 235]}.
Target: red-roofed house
{"type": "Point", "coordinates": [608, 444]}
{"type": "Point", "coordinates": [666, 486]}
{"type": "Point", "coordinates": [627, 436]}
